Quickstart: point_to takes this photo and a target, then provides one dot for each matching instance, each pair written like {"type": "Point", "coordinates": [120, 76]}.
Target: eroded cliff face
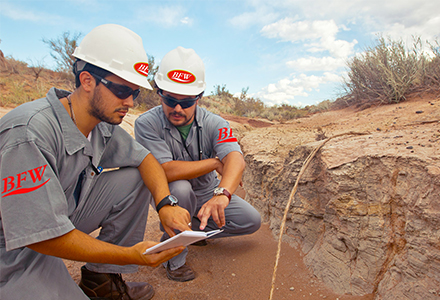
{"type": "Point", "coordinates": [367, 210]}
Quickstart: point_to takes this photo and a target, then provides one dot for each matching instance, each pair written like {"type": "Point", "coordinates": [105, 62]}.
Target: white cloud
{"type": "Point", "coordinates": [19, 14]}
{"type": "Point", "coordinates": [321, 35]}
{"type": "Point", "coordinates": [166, 16]}
{"type": "Point", "coordinates": [289, 30]}
{"type": "Point", "coordinates": [186, 21]}
{"type": "Point", "coordinates": [428, 30]}
{"type": "Point", "coordinates": [316, 64]}
{"type": "Point", "coordinates": [263, 14]}
{"type": "Point", "coordinates": [285, 90]}
{"type": "Point", "coordinates": [396, 18]}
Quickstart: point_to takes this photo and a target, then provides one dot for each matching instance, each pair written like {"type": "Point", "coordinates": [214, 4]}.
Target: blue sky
{"type": "Point", "coordinates": [285, 51]}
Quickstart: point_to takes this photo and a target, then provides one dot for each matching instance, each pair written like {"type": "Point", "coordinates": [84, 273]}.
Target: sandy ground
{"type": "Point", "coordinates": [234, 268]}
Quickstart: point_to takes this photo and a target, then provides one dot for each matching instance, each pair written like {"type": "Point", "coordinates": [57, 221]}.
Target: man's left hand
{"type": "Point", "coordinates": [215, 207]}
{"type": "Point", "coordinates": [174, 218]}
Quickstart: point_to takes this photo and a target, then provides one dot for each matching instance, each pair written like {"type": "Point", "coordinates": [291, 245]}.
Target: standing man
{"type": "Point", "coordinates": [192, 144]}
{"type": "Point", "coordinates": [53, 190]}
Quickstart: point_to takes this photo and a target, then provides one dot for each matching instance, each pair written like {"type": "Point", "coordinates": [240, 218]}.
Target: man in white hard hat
{"type": "Point", "coordinates": [192, 145]}
{"type": "Point", "coordinates": [54, 191]}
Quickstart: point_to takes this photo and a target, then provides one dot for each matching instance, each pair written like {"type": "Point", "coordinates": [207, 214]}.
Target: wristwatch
{"type": "Point", "coordinates": [222, 191]}
{"type": "Point", "coordinates": [168, 200]}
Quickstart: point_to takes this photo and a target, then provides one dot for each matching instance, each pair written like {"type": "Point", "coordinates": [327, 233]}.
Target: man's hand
{"type": "Point", "coordinates": [79, 246]}
{"type": "Point", "coordinates": [174, 217]}
{"type": "Point", "coordinates": [215, 207]}
{"type": "Point", "coordinates": [154, 260]}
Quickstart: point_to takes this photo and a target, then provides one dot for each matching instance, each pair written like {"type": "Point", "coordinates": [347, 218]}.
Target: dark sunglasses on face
{"type": "Point", "coordinates": [119, 90]}
{"type": "Point", "coordinates": [172, 102]}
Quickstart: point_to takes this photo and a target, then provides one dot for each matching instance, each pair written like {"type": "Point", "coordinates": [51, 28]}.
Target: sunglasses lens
{"type": "Point", "coordinates": [172, 102]}
{"type": "Point", "coordinates": [169, 102]}
{"type": "Point", "coordinates": [136, 93]}
{"type": "Point", "coordinates": [119, 90]}
{"type": "Point", "coordinates": [123, 91]}
{"type": "Point", "coordinates": [187, 104]}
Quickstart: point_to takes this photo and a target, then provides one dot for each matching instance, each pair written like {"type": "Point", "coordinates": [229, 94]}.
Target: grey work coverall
{"type": "Point", "coordinates": [212, 135]}
{"type": "Point", "coordinates": [42, 154]}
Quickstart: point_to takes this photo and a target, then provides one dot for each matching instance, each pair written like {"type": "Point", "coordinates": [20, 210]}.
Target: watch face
{"type": "Point", "coordinates": [218, 191]}
{"type": "Point", "coordinates": [173, 200]}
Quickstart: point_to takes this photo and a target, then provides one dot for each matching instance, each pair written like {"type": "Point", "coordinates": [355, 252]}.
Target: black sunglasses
{"type": "Point", "coordinates": [172, 102]}
{"type": "Point", "coordinates": [119, 90]}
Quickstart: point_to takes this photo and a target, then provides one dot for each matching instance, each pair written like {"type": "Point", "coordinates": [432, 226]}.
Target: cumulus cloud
{"type": "Point", "coordinates": [314, 30]}
{"type": "Point", "coordinates": [167, 16]}
{"type": "Point", "coordinates": [289, 30]}
{"type": "Point", "coordinates": [186, 21]}
{"type": "Point", "coordinates": [395, 18]}
{"type": "Point", "coordinates": [320, 35]}
{"type": "Point", "coordinates": [262, 14]}
{"type": "Point", "coordinates": [316, 63]}
{"type": "Point", "coordinates": [285, 90]}
{"type": "Point", "coordinates": [20, 14]}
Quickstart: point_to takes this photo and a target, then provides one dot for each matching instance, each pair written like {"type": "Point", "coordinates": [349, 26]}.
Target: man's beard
{"type": "Point", "coordinates": [186, 119]}
{"type": "Point", "coordinates": [97, 110]}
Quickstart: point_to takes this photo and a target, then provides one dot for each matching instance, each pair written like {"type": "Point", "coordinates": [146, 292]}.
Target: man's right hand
{"type": "Point", "coordinates": [154, 260]}
{"type": "Point", "coordinates": [174, 218]}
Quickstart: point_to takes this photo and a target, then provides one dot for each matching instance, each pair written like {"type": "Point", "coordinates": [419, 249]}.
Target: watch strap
{"type": "Point", "coordinates": [226, 193]}
{"type": "Point", "coordinates": [163, 202]}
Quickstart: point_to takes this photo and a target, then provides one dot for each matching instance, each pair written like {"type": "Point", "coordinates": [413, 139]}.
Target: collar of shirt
{"type": "Point", "coordinates": [73, 138]}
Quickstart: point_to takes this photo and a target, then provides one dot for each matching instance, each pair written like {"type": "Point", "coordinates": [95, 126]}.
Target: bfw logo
{"type": "Point", "coordinates": [225, 135]}
{"type": "Point", "coordinates": [12, 185]}
{"type": "Point", "coordinates": [141, 68]}
{"type": "Point", "coordinates": [181, 76]}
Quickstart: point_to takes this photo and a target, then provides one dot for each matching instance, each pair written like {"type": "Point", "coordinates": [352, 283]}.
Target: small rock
{"type": "Point", "coordinates": [292, 288]}
{"type": "Point", "coordinates": [419, 112]}
{"type": "Point", "coordinates": [409, 147]}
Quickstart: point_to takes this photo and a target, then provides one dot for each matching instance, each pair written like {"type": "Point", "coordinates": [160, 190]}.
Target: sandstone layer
{"type": "Point", "coordinates": [367, 210]}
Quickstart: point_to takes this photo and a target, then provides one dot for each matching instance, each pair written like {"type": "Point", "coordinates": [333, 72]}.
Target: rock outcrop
{"type": "Point", "coordinates": [367, 210]}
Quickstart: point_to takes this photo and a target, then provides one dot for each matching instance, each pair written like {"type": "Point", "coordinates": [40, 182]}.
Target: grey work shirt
{"type": "Point", "coordinates": [42, 154]}
{"type": "Point", "coordinates": [157, 134]}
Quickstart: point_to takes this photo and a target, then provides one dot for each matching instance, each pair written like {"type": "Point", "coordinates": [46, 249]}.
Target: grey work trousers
{"type": "Point", "coordinates": [119, 203]}
{"type": "Point", "coordinates": [241, 217]}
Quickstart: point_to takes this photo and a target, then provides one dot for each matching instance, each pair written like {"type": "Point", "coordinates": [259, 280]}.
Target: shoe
{"type": "Point", "coordinates": [112, 286]}
{"type": "Point", "coordinates": [184, 273]}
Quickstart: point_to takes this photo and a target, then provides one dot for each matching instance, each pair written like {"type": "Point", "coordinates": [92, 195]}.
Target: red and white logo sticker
{"type": "Point", "coordinates": [225, 135]}
{"type": "Point", "coordinates": [141, 68]}
{"type": "Point", "coordinates": [181, 76]}
{"type": "Point", "coordinates": [13, 185]}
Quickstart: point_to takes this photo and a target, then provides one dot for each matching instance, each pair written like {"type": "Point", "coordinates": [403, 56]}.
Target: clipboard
{"type": "Point", "coordinates": [184, 238]}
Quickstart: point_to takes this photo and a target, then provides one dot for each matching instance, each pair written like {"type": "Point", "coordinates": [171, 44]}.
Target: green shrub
{"type": "Point", "coordinates": [431, 71]}
{"type": "Point", "coordinates": [389, 71]}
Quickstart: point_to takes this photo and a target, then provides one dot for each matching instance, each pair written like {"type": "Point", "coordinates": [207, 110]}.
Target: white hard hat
{"type": "Point", "coordinates": [118, 50]}
{"type": "Point", "coordinates": [182, 72]}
